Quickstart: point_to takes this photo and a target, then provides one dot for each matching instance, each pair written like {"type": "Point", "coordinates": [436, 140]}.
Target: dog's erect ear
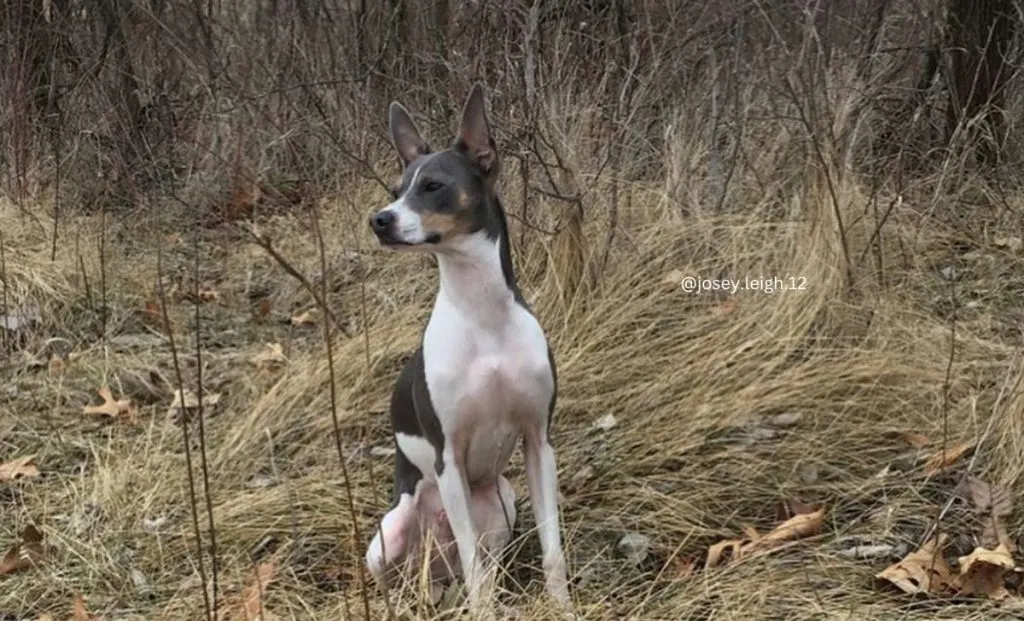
{"type": "Point", "coordinates": [475, 139]}
{"type": "Point", "coordinates": [404, 134]}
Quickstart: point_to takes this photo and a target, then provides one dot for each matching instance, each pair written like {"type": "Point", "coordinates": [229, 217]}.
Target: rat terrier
{"type": "Point", "coordinates": [483, 376]}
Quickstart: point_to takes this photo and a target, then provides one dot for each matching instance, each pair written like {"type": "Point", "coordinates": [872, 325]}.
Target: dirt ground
{"type": "Point", "coordinates": [684, 419]}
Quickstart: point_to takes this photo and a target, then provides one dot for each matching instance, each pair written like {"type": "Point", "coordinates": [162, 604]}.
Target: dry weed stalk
{"type": "Point", "coordinates": [357, 538]}
{"type": "Point", "coordinates": [208, 610]}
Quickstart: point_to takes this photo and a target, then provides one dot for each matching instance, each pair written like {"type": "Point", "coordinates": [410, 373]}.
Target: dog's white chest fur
{"type": "Point", "coordinates": [489, 382]}
{"type": "Point", "coordinates": [486, 365]}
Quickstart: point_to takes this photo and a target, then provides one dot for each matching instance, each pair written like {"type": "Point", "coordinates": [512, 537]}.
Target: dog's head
{"type": "Point", "coordinates": [442, 197]}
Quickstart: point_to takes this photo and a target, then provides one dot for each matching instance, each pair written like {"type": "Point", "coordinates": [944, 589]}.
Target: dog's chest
{"type": "Point", "coordinates": [489, 382]}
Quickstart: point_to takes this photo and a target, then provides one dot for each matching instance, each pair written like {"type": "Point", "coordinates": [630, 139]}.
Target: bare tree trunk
{"type": "Point", "coordinates": [980, 36]}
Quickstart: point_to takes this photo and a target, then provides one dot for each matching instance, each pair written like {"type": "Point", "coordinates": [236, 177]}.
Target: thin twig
{"type": "Point", "coordinates": [334, 409]}
{"type": "Point", "coordinates": [264, 242]}
{"type": "Point", "coordinates": [936, 530]}
{"type": "Point", "coordinates": [214, 562]}
{"type": "Point", "coordinates": [184, 432]}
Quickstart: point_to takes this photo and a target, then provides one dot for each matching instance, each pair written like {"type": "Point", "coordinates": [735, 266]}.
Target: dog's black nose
{"type": "Point", "coordinates": [380, 220]}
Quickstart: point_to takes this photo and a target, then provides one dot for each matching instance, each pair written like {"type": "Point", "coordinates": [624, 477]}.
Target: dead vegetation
{"type": "Point", "coordinates": [853, 448]}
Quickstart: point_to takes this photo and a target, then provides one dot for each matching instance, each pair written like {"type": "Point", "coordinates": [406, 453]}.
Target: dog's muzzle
{"type": "Point", "coordinates": [383, 224]}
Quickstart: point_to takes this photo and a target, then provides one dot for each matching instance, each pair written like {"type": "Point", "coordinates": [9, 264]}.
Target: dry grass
{"type": "Point", "coordinates": [695, 384]}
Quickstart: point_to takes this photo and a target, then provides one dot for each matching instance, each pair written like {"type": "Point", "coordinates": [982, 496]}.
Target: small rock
{"type": "Point", "coordinates": [260, 481]}
{"type": "Point", "coordinates": [606, 422]}
{"type": "Point", "coordinates": [949, 272]}
{"type": "Point", "coordinates": [152, 525]}
{"type": "Point", "coordinates": [868, 551]}
{"type": "Point", "coordinates": [787, 419]}
{"type": "Point", "coordinates": [634, 547]}
{"type": "Point", "coordinates": [140, 581]}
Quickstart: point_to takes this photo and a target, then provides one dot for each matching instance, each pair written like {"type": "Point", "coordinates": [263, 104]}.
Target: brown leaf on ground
{"type": "Point", "coordinates": [940, 460]}
{"type": "Point", "coordinates": [249, 605]}
{"type": "Point", "coordinates": [717, 552]}
{"type": "Point", "coordinates": [24, 554]}
{"type": "Point", "coordinates": [111, 408]}
{"type": "Point", "coordinates": [272, 357]}
{"type": "Point", "coordinates": [185, 400]}
{"type": "Point", "coordinates": [18, 468]}
{"type": "Point", "coordinates": [922, 571]}
{"type": "Point", "coordinates": [60, 363]}
{"type": "Point", "coordinates": [80, 613]}
{"type": "Point", "coordinates": [916, 440]}
{"type": "Point", "coordinates": [308, 318]}
{"type": "Point", "coordinates": [203, 295]}
{"type": "Point", "coordinates": [994, 504]}
{"type": "Point", "coordinates": [983, 572]}
{"type": "Point", "coordinates": [259, 314]}
{"type": "Point", "coordinates": [153, 316]}
{"type": "Point", "coordinates": [797, 527]}
{"type": "Point", "coordinates": [253, 594]}
{"type": "Point", "coordinates": [806, 521]}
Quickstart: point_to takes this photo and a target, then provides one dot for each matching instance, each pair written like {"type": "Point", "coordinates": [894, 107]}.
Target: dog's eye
{"type": "Point", "coordinates": [431, 186]}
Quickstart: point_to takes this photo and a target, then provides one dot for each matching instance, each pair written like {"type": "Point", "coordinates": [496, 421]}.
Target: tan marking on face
{"type": "Point", "coordinates": [465, 199]}
{"type": "Point", "coordinates": [446, 225]}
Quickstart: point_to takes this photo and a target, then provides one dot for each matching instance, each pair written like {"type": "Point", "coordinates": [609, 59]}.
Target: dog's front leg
{"type": "Point", "coordinates": [455, 497]}
{"type": "Point", "coordinates": [542, 479]}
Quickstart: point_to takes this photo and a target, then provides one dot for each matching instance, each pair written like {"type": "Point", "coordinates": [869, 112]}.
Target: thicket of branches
{"type": "Point", "coordinates": [114, 102]}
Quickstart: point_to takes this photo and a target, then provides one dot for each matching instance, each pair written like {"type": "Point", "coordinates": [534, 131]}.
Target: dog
{"type": "Point", "coordinates": [483, 377]}
{"type": "Point", "coordinates": [419, 520]}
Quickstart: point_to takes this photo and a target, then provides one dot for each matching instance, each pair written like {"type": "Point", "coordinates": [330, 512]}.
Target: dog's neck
{"type": "Point", "coordinates": [473, 278]}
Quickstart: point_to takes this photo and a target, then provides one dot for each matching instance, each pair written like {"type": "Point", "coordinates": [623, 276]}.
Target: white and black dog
{"type": "Point", "coordinates": [482, 379]}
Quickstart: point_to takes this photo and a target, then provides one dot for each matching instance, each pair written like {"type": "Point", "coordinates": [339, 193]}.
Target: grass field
{"type": "Point", "coordinates": [684, 418]}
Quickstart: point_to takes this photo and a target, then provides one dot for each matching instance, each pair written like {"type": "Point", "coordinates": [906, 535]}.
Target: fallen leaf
{"type": "Point", "coordinates": [940, 460]}
{"type": "Point", "coordinates": [152, 314]}
{"type": "Point", "coordinates": [916, 440]}
{"type": "Point", "coordinates": [750, 532]}
{"type": "Point", "coordinates": [253, 594]}
{"type": "Point", "coordinates": [805, 522]}
{"type": "Point", "coordinates": [683, 567]}
{"type": "Point", "coordinates": [922, 571]}
{"type": "Point", "coordinates": [80, 613]}
{"type": "Point", "coordinates": [272, 357]}
{"type": "Point", "coordinates": [982, 572]}
{"type": "Point", "coordinates": [111, 408]}
{"type": "Point", "coordinates": [204, 294]}
{"type": "Point", "coordinates": [994, 504]}
{"type": "Point", "coordinates": [799, 526]}
{"type": "Point", "coordinates": [18, 468]}
{"type": "Point", "coordinates": [262, 310]}
{"type": "Point", "coordinates": [717, 552]}
{"type": "Point", "coordinates": [185, 399]}
{"type": "Point", "coordinates": [308, 318]}
{"type": "Point", "coordinates": [24, 554]}
{"type": "Point", "coordinates": [1013, 244]}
